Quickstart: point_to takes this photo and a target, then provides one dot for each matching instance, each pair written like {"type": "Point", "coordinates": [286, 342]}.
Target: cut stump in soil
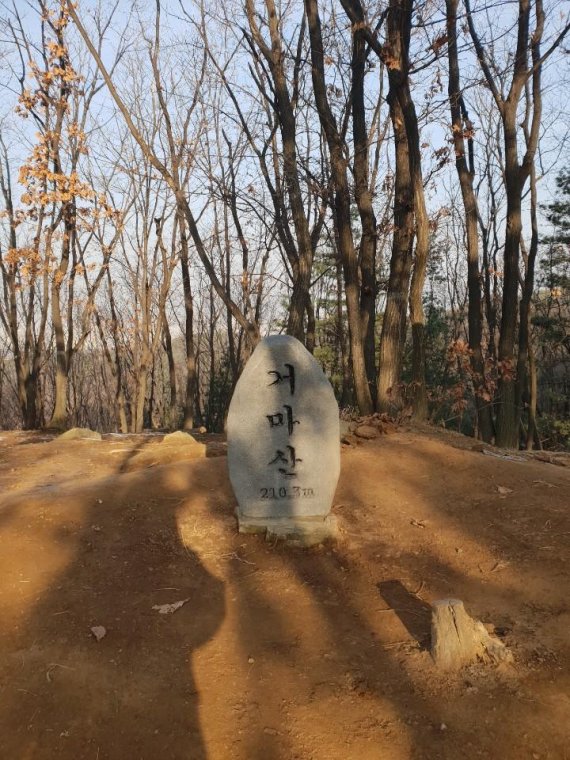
{"type": "Point", "coordinates": [457, 639]}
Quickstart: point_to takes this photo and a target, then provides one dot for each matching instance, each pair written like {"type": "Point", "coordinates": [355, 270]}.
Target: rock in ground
{"type": "Point", "coordinates": [180, 438]}
{"type": "Point", "coordinates": [80, 433]}
{"type": "Point", "coordinates": [366, 431]}
{"type": "Point", "coordinates": [175, 447]}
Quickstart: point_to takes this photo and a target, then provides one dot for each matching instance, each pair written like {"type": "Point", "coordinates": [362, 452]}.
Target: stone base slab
{"type": "Point", "coordinates": [295, 531]}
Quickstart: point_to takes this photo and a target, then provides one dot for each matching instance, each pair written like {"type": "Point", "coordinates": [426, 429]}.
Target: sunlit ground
{"type": "Point", "coordinates": [277, 652]}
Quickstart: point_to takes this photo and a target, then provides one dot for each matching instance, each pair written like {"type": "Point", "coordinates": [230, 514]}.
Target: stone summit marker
{"type": "Point", "coordinates": [283, 444]}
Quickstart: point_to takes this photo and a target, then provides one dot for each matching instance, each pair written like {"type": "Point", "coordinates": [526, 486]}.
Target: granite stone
{"type": "Point", "coordinates": [283, 443]}
{"type": "Point", "coordinates": [80, 434]}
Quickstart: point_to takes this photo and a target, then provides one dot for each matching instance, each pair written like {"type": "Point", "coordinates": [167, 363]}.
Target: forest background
{"type": "Point", "coordinates": [384, 181]}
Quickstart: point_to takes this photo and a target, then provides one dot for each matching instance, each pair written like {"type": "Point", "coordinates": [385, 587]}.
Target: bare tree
{"type": "Point", "coordinates": [342, 216]}
{"type": "Point", "coordinates": [25, 276]}
{"type": "Point", "coordinates": [462, 131]}
{"type": "Point", "coordinates": [517, 173]}
{"type": "Point", "coordinates": [172, 180]}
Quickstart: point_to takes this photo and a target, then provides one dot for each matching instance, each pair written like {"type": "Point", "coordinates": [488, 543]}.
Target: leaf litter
{"type": "Point", "coordinates": [169, 609]}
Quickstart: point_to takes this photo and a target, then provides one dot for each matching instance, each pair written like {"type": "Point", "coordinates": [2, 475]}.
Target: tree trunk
{"type": "Point", "coordinates": [189, 398]}
{"type": "Point", "coordinates": [29, 412]}
{"type": "Point", "coordinates": [515, 174]}
{"type": "Point", "coordinates": [363, 195]}
{"type": "Point", "coordinates": [298, 302]}
{"type": "Point", "coordinates": [524, 383]}
{"type": "Point", "coordinates": [283, 105]}
{"type": "Point", "coordinates": [346, 395]}
{"type": "Point", "coordinates": [151, 410]}
{"type": "Point", "coordinates": [465, 174]}
{"type": "Point", "coordinates": [401, 12]}
{"type": "Point", "coordinates": [341, 212]}
{"type": "Point", "coordinates": [417, 317]}
{"type": "Point", "coordinates": [140, 398]}
{"type": "Point", "coordinates": [121, 408]}
{"type": "Point", "coordinates": [59, 414]}
{"type": "Point", "coordinates": [507, 414]}
{"type": "Point", "coordinates": [311, 326]}
{"type": "Point", "coordinates": [522, 378]}
{"type": "Point", "coordinates": [393, 335]}
{"type": "Point", "coordinates": [63, 351]}
{"type": "Point", "coordinates": [532, 435]}
{"type": "Point", "coordinates": [171, 417]}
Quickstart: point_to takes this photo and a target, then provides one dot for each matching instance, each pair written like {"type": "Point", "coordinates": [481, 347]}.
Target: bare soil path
{"type": "Point", "coordinates": [278, 653]}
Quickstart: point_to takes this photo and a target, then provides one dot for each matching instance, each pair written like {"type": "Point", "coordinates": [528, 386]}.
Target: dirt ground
{"type": "Point", "coordinates": [278, 653]}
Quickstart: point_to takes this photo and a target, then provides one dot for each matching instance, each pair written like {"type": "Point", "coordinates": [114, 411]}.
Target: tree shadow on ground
{"type": "Point", "coordinates": [341, 658]}
{"type": "Point", "coordinates": [414, 613]}
{"type": "Point", "coordinates": [310, 662]}
{"type": "Point", "coordinates": [132, 694]}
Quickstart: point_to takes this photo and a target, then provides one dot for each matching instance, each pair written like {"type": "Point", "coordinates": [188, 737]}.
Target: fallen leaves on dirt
{"type": "Point", "coordinates": [52, 666]}
{"type": "Point", "coordinates": [169, 609]}
{"type": "Point", "coordinates": [382, 424]}
{"type": "Point", "coordinates": [543, 483]}
{"type": "Point", "coordinates": [500, 565]}
{"type": "Point", "coordinates": [502, 455]}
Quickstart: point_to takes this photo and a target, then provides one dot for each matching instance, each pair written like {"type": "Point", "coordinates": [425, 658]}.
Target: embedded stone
{"type": "Point", "coordinates": [284, 443]}
{"type": "Point", "coordinates": [180, 438]}
{"type": "Point", "coordinates": [366, 431]}
{"type": "Point", "coordinates": [178, 448]}
{"type": "Point", "coordinates": [80, 434]}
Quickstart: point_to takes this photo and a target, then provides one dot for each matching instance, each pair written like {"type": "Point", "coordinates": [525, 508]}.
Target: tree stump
{"type": "Point", "coordinates": [457, 639]}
